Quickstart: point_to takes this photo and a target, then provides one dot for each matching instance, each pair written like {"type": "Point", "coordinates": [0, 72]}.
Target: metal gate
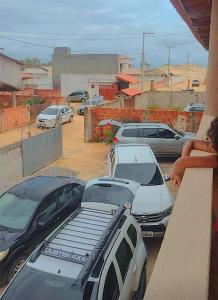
{"type": "Point", "coordinates": [40, 150]}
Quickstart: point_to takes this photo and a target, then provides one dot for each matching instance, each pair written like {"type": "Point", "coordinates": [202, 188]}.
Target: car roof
{"type": "Point", "coordinates": [74, 248]}
{"type": "Point", "coordinates": [133, 186]}
{"type": "Point", "coordinates": [58, 106]}
{"type": "Point", "coordinates": [145, 124]}
{"type": "Point", "coordinates": [38, 187]}
{"type": "Point", "coordinates": [134, 153]}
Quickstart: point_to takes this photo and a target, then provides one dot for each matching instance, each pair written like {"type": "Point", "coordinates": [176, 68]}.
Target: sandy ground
{"type": "Point", "coordinates": [85, 160]}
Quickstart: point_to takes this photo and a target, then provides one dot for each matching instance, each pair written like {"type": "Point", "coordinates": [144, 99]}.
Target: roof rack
{"type": "Point", "coordinates": [83, 238]}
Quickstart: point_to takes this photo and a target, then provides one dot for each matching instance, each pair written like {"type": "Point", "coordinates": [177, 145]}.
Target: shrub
{"type": "Point", "coordinates": [35, 101]}
{"type": "Point", "coordinates": [153, 106]}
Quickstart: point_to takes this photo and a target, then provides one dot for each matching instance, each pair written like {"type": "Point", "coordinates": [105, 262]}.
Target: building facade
{"type": "Point", "coordinates": [10, 70]}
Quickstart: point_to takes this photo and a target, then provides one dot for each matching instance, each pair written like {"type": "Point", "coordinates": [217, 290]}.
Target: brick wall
{"type": "Point", "coordinates": [50, 97]}
{"type": "Point", "coordinates": [11, 118]}
{"type": "Point", "coordinates": [109, 92]}
{"type": "Point", "coordinates": [184, 121]}
{"type": "Point", "coordinates": [121, 114]}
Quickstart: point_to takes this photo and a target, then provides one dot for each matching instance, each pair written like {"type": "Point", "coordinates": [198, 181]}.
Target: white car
{"type": "Point", "coordinates": [51, 115]}
{"type": "Point", "coordinates": [153, 202]}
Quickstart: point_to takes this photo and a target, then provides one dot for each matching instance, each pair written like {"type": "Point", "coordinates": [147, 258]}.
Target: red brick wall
{"type": "Point", "coordinates": [121, 114]}
{"type": "Point", "coordinates": [109, 92]}
{"type": "Point", "coordinates": [184, 121]}
{"type": "Point", "coordinates": [11, 118]}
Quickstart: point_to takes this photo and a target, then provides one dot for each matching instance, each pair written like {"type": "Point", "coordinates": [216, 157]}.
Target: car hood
{"type": "Point", "coordinates": [46, 117]}
{"type": "Point", "coordinates": [151, 199]}
{"type": "Point", "coordinates": [8, 239]}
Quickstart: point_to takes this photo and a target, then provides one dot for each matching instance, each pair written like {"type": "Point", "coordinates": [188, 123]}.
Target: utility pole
{"type": "Point", "coordinates": [143, 59]}
{"type": "Point", "coordinates": [168, 67]}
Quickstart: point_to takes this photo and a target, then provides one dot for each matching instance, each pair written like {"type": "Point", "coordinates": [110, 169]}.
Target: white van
{"type": "Point", "coordinates": [153, 202]}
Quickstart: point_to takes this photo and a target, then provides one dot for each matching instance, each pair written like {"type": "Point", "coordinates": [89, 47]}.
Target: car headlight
{"type": "Point", "coordinates": [167, 211]}
{"type": "Point", "coordinates": [3, 254]}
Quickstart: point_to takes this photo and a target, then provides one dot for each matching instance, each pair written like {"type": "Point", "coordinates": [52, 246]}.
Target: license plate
{"type": "Point", "coordinates": [148, 234]}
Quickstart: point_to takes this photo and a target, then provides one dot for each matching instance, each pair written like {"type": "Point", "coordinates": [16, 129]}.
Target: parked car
{"type": "Point", "coordinates": [93, 255]}
{"type": "Point", "coordinates": [29, 212]}
{"type": "Point", "coordinates": [78, 96]}
{"type": "Point", "coordinates": [90, 103]}
{"type": "Point", "coordinates": [54, 114]}
{"type": "Point", "coordinates": [194, 107]}
{"type": "Point", "coordinates": [164, 140]}
{"type": "Point", "coordinates": [195, 83]}
{"type": "Point", "coordinates": [153, 202]}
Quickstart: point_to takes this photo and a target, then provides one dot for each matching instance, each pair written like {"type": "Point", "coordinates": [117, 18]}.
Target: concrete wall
{"type": "Point", "coordinates": [74, 82]}
{"type": "Point", "coordinates": [11, 162]}
{"type": "Point", "coordinates": [83, 64]}
{"type": "Point", "coordinates": [167, 99]}
{"type": "Point", "coordinates": [10, 71]}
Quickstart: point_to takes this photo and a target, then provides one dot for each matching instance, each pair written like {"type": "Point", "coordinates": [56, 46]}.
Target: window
{"type": "Point", "coordinates": [194, 109]}
{"type": "Point", "coordinates": [124, 256]}
{"type": "Point", "coordinates": [47, 208]}
{"type": "Point", "coordinates": [166, 134]}
{"type": "Point", "coordinates": [130, 132]}
{"type": "Point", "coordinates": [132, 233]}
{"type": "Point", "coordinates": [111, 286]}
{"type": "Point", "coordinates": [146, 174]}
{"type": "Point", "coordinates": [148, 132]}
{"type": "Point", "coordinates": [64, 195]}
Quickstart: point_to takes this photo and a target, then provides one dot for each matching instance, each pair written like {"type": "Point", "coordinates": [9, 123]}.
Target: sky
{"type": "Point", "coordinates": [97, 26]}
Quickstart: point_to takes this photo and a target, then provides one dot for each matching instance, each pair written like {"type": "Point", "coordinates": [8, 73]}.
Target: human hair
{"type": "Point", "coordinates": [212, 134]}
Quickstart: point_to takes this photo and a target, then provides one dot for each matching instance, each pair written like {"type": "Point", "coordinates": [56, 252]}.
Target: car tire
{"type": "Point", "coordinates": [139, 294]}
{"type": "Point", "coordinates": [15, 266]}
{"type": "Point", "coordinates": [71, 119]}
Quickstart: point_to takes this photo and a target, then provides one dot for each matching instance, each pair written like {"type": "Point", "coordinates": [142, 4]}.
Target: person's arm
{"type": "Point", "coordinates": [182, 163]}
{"type": "Point", "coordinates": [196, 145]}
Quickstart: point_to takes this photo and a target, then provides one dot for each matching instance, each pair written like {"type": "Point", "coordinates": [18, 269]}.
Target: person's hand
{"type": "Point", "coordinates": [176, 180]}
{"type": "Point", "coordinates": [177, 173]}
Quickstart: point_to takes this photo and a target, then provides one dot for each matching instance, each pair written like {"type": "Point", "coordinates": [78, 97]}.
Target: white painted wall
{"type": "Point", "coordinates": [74, 82]}
{"type": "Point", "coordinates": [10, 71]}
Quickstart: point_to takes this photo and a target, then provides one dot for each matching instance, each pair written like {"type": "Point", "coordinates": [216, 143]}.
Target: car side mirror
{"type": "Point", "coordinates": [167, 178]}
{"type": "Point", "coordinates": [176, 137]}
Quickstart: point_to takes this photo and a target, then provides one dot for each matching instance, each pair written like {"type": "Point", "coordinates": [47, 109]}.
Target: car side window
{"type": "Point", "coordinates": [66, 109]}
{"type": "Point", "coordinates": [111, 286]}
{"type": "Point", "coordinates": [130, 132]}
{"type": "Point", "coordinates": [62, 111]}
{"type": "Point", "coordinates": [47, 208]}
{"type": "Point", "coordinates": [64, 194]}
{"type": "Point", "coordinates": [166, 134]}
{"type": "Point", "coordinates": [132, 234]}
{"type": "Point", "coordinates": [124, 256]}
{"type": "Point", "coordinates": [148, 132]}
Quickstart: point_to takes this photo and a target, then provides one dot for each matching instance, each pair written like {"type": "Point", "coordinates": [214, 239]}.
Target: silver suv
{"type": "Point", "coordinates": [93, 255]}
{"type": "Point", "coordinates": [78, 96]}
{"type": "Point", "coordinates": [163, 140]}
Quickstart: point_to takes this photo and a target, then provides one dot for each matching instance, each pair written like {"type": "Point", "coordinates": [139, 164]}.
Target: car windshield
{"type": "Point", "coordinates": [33, 284]}
{"type": "Point", "coordinates": [108, 193]}
{"type": "Point", "coordinates": [146, 174]}
{"type": "Point", "coordinates": [15, 211]}
{"type": "Point", "coordinates": [50, 111]}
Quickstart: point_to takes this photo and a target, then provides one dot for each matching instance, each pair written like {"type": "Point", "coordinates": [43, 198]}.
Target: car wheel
{"type": "Point", "coordinates": [15, 266]}
{"type": "Point", "coordinates": [139, 294]}
{"type": "Point", "coordinates": [71, 119]}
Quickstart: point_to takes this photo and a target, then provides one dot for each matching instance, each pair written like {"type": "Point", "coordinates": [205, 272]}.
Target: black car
{"type": "Point", "coordinates": [29, 212]}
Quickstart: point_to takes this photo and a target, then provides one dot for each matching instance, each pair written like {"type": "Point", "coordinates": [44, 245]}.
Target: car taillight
{"type": "Point", "coordinates": [115, 140]}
